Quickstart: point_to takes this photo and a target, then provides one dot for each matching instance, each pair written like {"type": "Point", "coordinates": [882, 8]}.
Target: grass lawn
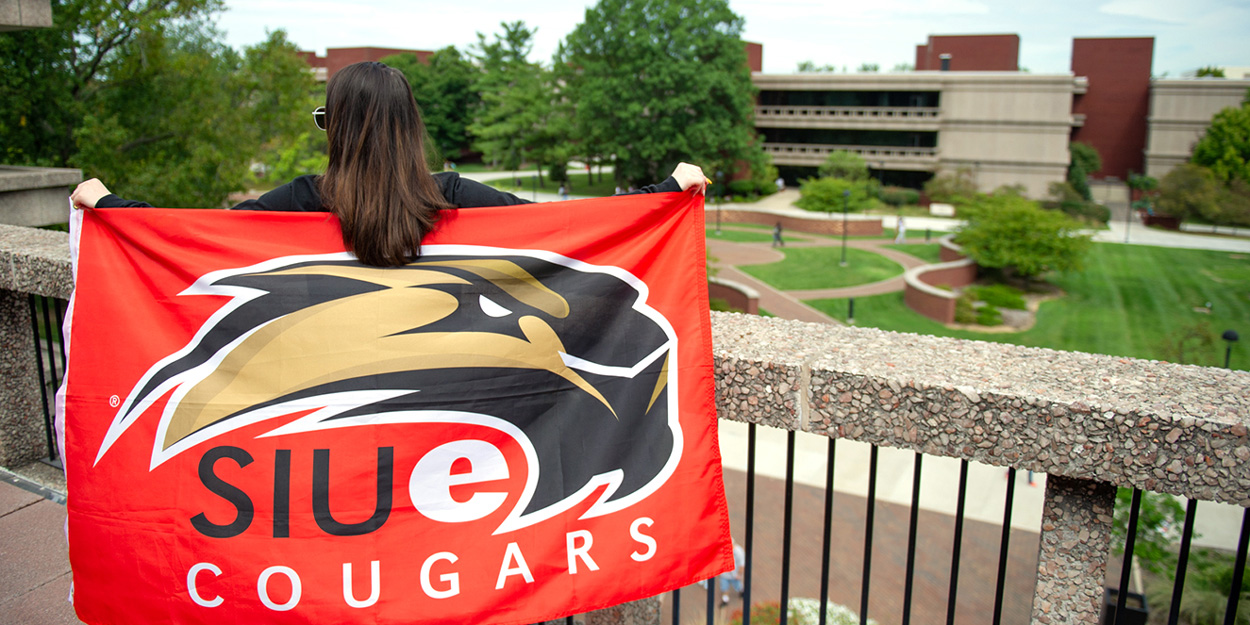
{"type": "Point", "coordinates": [578, 184]}
{"type": "Point", "coordinates": [818, 268]}
{"type": "Point", "coordinates": [1130, 301]}
{"type": "Point", "coordinates": [924, 251]}
{"type": "Point", "coordinates": [739, 236]}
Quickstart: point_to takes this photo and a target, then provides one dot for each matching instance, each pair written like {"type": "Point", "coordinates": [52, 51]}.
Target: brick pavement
{"type": "Point", "coordinates": [34, 580]}
{"type": "Point", "coordinates": [978, 563]}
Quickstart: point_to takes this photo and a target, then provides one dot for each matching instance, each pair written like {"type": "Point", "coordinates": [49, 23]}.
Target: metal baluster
{"type": "Point", "coordinates": [872, 509]}
{"type": "Point", "coordinates": [47, 325]}
{"type": "Point", "coordinates": [959, 536]}
{"type": "Point", "coordinates": [911, 540]}
{"type": "Point", "coordinates": [828, 536]}
{"type": "Point", "coordinates": [786, 527]}
{"type": "Point", "coordinates": [676, 620]}
{"type": "Point", "coordinates": [1126, 568]}
{"type": "Point", "coordinates": [43, 383]}
{"type": "Point", "coordinates": [711, 600]}
{"type": "Point", "coordinates": [1234, 593]}
{"type": "Point", "coordinates": [750, 529]}
{"type": "Point", "coordinates": [1003, 546]}
{"type": "Point", "coordinates": [1182, 562]}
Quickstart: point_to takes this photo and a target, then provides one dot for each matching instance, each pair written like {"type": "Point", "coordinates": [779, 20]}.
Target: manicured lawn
{"type": "Point", "coordinates": [578, 185]}
{"type": "Point", "coordinates": [739, 236]}
{"type": "Point", "coordinates": [818, 268]}
{"type": "Point", "coordinates": [1129, 301]}
{"type": "Point", "coordinates": [924, 251]}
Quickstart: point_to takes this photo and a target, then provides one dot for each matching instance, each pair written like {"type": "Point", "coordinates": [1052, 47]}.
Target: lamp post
{"type": "Point", "coordinates": [846, 202]}
{"type": "Point", "coordinates": [720, 197]}
{"type": "Point", "coordinates": [1231, 337]}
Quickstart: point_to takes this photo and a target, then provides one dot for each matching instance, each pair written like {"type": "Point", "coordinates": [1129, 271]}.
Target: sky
{"type": "Point", "coordinates": [841, 33]}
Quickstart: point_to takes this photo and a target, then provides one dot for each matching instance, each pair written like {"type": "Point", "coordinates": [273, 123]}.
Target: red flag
{"type": "Point", "coordinates": [518, 426]}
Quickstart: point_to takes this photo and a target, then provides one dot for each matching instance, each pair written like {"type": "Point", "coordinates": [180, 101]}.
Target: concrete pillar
{"type": "Point", "coordinates": [1072, 563]}
{"type": "Point", "coordinates": [22, 436]}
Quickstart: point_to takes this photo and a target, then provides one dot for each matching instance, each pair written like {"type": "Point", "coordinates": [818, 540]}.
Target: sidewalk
{"type": "Point", "coordinates": [35, 579]}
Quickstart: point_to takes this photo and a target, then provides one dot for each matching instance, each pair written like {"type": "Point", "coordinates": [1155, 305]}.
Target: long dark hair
{"type": "Point", "coordinates": [377, 181]}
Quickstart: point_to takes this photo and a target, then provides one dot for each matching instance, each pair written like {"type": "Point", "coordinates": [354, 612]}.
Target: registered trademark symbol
{"type": "Point", "coordinates": [114, 401]}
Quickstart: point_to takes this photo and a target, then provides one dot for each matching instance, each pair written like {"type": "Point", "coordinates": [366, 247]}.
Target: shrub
{"type": "Point", "coordinates": [999, 295]}
{"type": "Point", "coordinates": [826, 194]}
{"type": "Point", "coordinates": [964, 310]}
{"type": "Point", "coordinates": [1021, 238]}
{"type": "Point", "coordinates": [899, 196]}
{"type": "Point", "coordinates": [742, 188]}
{"type": "Point", "coordinates": [845, 165]}
{"type": "Point", "coordinates": [989, 316]}
{"type": "Point", "coordinates": [1208, 579]}
{"type": "Point", "coordinates": [956, 188]}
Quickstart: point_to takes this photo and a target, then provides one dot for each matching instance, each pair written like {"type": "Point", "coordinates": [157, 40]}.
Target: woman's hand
{"type": "Point", "coordinates": [690, 176]}
{"type": "Point", "coordinates": [89, 192]}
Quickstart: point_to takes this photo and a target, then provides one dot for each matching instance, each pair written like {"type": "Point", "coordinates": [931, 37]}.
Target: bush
{"type": "Point", "coordinates": [989, 316]}
{"type": "Point", "coordinates": [957, 188]}
{"type": "Point", "coordinates": [742, 188]}
{"type": "Point", "coordinates": [899, 196]}
{"type": "Point", "coordinates": [845, 165]}
{"type": "Point", "coordinates": [965, 312]}
{"type": "Point", "coordinates": [1021, 238]}
{"type": "Point", "coordinates": [999, 295]}
{"type": "Point", "coordinates": [826, 194]}
{"type": "Point", "coordinates": [1208, 579]}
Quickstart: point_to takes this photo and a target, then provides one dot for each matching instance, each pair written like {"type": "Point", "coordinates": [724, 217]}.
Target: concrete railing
{"type": "Point", "coordinates": [892, 157]}
{"type": "Point", "coordinates": [1091, 422]}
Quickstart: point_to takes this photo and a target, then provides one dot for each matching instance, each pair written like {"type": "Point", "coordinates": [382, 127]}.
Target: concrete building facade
{"type": "Point", "coordinates": [1180, 111]}
{"type": "Point", "coordinates": [966, 106]}
{"type": "Point", "coordinates": [1005, 127]}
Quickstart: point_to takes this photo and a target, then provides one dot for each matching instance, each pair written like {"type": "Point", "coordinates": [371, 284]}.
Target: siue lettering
{"type": "Point", "coordinates": [429, 489]}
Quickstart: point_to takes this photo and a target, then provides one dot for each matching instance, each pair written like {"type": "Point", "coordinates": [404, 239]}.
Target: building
{"type": "Point", "coordinates": [967, 106]}
{"type": "Point", "coordinates": [1180, 111]}
{"type": "Point", "coordinates": [338, 58]}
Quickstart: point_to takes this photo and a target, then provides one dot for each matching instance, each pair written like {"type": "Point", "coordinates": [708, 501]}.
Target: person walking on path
{"type": "Point", "coordinates": [777, 240]}
{"type": "Point", "coordinates": [902, 232]}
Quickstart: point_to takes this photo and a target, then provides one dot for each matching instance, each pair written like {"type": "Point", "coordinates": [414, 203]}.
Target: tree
{"type": "Point", "coordinates": [519, 118]}
{"type": "Point", "coordinates": [829, 195]}
{"type": "Point", "coordinates": [1210, 71]}
{"type": "Point", "coordinates": [903, 67]}
{"type": "Point", "coordinates": [146, 97]}
{"type": "Point", "coordinates": [1020, 238]}
{"type": "Point", "coordinates": [845, 165]}
{"type": "Point", "coordinates": [1225, 148]}
{"type": "Point", "coordinates": [444, 89]}
{"type": "Point", "coordinates": [868, 68]}
{"type": "Point", "coordinates": [1083, 161]}
{"type": "Point", "coordinates": [659, 82]}
{"type": "Point", "coordinates": [49, 75]}
{"type": "Point", "coordinates": [957, 187]}
{"type": "Point", "coordinates": [810, 67]}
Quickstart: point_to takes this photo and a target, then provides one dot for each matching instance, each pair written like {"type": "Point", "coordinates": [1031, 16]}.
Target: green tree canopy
{"type": "Point", "coordinates": [444, 89]}
{"type": "Point", "coordinates": [144, 96]}
{"type": "Point", "coordinates": [1225, 148]}
{"type": "Point", "coordinates": [657, 82]}
{"type": "Point", "coordinates": [1019, 237]}
{"type": "Point", "coordinates": [1193, 191]}
{"type": "Point", "coordinates": [845, 165]}
{"type": "Point", "coordinates": [520, 118]}
{"type": "Point", "coordinates": [1083, 161]}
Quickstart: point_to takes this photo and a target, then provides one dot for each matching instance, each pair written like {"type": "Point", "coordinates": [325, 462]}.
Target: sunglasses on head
{"type": "Point", "coordinates": [319, 117]}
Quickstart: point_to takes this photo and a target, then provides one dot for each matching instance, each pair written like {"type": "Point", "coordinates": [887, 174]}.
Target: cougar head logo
{"type": "Point", "coordinates": [565, 357]}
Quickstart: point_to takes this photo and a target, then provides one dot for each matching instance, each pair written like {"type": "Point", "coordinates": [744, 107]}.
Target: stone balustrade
{"type": "Point", "coordinates": [1091, 422]}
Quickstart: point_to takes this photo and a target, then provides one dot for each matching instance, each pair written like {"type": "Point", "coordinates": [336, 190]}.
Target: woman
{"type": "Point", "coordinates": [377, 181]}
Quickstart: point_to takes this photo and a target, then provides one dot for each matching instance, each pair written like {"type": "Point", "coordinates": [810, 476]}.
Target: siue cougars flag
{"type": "Point", "coordinates": [518, 426]}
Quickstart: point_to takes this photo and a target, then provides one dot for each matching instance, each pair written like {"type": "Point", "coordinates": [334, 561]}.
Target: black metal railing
{"type": "Point", "coordinates": [47, 316]}
{"type": "Point", "coordinates": [712, 615]}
